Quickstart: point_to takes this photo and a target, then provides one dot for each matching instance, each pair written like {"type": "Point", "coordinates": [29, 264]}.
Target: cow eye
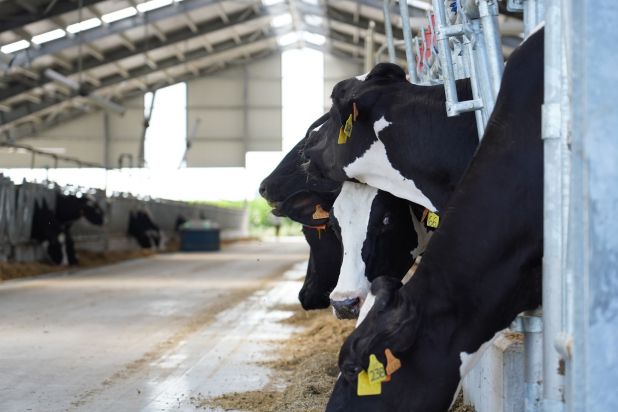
{"type": "Point", "coordinates": [386, 220]}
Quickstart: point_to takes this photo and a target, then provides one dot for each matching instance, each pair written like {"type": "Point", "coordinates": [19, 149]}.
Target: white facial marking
{"type": "Point", "coordinates": [362, 77]}
{"type": "Point", "coordinates": [352, 208]}
{"type": "Point", "coordinates": [423, 235]}
{"type": "Point", "coordinates": [374, 168]}
{"type": "Point", "coordinates": [315, 129]}
{"type": "Point", "coordinates": [469, 360]}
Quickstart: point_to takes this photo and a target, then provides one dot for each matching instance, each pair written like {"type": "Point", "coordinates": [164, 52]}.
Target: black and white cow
{"type": "Point", "coordinates": [143, 229]}
{"type": "Point", "coordinates": [381, 235]}
{"type": "Point", "coordinates": [70, 208]}
{"type": "Point", "coordinates": [53, 227]}
{"type": "Point", "coordinates": [398, 137]}
{"type": "Point", "coordinates": [390, 242]}
{"type": "Point", "coordinates": [46, 230]}
{"type": "Point", "coordinates": [482, 267]}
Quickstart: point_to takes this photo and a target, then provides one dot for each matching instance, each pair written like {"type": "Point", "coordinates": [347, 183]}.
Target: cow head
{"type": "Point", "coordinates": [323, 268]}
{"type": "Point", "coordinates": [92, 211]}
{"type": "Point", "coordinates": [379, 239]}
{"type": "Point", "coordinates": [143, 229]}
{"type": "Point", "coordinates": [428, 375]}
{"type": "Point", "coordinates": [290, 177]}
{"type": "Point", "coordinates": [330, 151]}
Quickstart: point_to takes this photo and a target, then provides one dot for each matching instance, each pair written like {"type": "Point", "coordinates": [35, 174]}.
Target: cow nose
{"type": "Point", "coordinates": [347, 308]}
{"type": "Point", "coordinates": [262, 191]}
{"type": "Point", "coordinates": [311, 301]}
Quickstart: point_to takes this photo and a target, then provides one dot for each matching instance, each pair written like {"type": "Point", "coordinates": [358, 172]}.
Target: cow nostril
{"type": "Point", "coordinates": [347, 308]}
{"type": "Point", "coordinates": [262, 191]}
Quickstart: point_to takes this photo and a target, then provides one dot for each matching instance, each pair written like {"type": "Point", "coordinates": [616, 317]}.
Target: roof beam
{"type": "Point", "coordinates": [222, 50]}
{"type": "Point", "coordinates": [87, 36]}
{"type": "Point", "coordinates": [22, 19]}
{"type": "Point", "coordinates": [66, 111]}
{"type": "Point", "coordinates": [145, 45]}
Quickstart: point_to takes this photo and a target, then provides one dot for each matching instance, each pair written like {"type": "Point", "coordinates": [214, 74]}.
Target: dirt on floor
{"type": "Point", "coordinates": [87, 259]}
{"type": "Point", "coordinates": [307, 370]}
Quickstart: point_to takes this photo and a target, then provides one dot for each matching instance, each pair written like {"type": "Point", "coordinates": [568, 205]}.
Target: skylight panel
{"type": "Point", "coordinates": [84, 25]}
{"type": "Point", "coordinates": [48, 36]}
{"type": "Point", "coordinates": [15, 46]}
{"type": "Point", "coordinates": [119, 14]}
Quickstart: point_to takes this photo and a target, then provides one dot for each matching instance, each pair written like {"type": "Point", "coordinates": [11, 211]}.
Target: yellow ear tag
{"type": "Point", "coordinates": [365, 387]}
{"type": "Point", "coordinates": [346, 131]}
{"type": "Point", "coordinates": [342, 137]}
{"type": "Point", "coordinates": [319, 213]}
{"type": "Point", "coordinates": [392, 363]}
{"type": "Point", "coordinates": [433, 220]}
{"type": "Point", "coordinates": [375, 370]}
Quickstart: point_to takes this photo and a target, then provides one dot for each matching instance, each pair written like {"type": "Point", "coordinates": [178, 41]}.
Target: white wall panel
{"type": "Point", "coordinates": [217, 153]}
{"type": "Point", "coordinates": [335, 70]}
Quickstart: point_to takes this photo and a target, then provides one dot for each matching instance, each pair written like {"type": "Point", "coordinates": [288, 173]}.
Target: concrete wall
{"type": "Point", "coordinates": [496, 383]}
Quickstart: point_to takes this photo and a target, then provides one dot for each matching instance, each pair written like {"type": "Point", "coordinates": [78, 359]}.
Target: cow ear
{"type": "Point", "coordinates": [307, 208]}
{"type": "Point", "coordinates": [385, 72]}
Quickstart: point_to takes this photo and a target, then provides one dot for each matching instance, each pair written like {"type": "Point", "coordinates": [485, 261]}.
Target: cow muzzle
{"type": "Point", "coordinates": [346, 308]}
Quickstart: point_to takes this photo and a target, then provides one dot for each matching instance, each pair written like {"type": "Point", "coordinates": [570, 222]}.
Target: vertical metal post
{"type": "Point", "coordinates": [388, 28]}
{"type": "Point", "coordinates": [488, 11]}
{"type": "Point", "coordinates": [592, 376]}
{"type": "Point", "coordinates": [469, 62]}
{"type": "Point", "coordinates": [369, 46]}
{"type": "Point", "coordinates": [407, 37]}
{"type": "Point", "coordinates": [553, 381]}
{"type": "Point", "coordinates": [107, 141]}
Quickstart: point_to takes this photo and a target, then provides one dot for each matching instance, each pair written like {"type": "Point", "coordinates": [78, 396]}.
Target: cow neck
{"type": "Point", "coordinates": [436, 149]}
{"type": "Point", "coordinates": [477, 287]}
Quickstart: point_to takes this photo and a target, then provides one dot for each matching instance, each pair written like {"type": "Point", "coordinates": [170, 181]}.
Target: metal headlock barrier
{"type": "Point", "coordinates": [17, 202]}
{"type": "Point", "coordinates": [569, 365]}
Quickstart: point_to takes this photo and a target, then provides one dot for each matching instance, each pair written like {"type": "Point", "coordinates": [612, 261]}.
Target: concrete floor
{"type": "Point", "coordinates": [156, 334]}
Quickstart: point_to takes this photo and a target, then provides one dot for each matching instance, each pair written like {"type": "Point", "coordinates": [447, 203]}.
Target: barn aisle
{"type": "Point", "coordinates": [154, 334]}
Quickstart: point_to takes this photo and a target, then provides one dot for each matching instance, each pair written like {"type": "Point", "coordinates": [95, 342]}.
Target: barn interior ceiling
{"type": "Point", "coordinates": [60, 59]}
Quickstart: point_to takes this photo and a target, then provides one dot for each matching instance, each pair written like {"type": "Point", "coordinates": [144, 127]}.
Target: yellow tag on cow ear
{"type": "Point", "coordinates": [365, 388]}
{"type": "Point", "coordinates": [346, 131]}
{"type": "Point", "coordinates": [342, 137]}
{"type": "Point", "coordinates": [348, 126]}
{"type": "Point", "coordinates": [433, 220]}
{"type": "Point", "coordinates": [375, 370]}
{"type": "Point", "coordinates": [392, 363]}
{"type": "Point", "coordinates": [320, 213]}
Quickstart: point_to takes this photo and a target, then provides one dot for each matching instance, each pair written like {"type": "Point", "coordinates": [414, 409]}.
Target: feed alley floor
{"type": "Point", "coordinates": [149, 334]}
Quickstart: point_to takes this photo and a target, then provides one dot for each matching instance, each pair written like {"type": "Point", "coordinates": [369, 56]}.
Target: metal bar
{"type": "Point", "coordinates": [553, 382]}
{"type": "Point", "coordinates": [469, 62]}
{"type": "Point", "coordinates": [388, 27]}
{"type": "Point", "coordinates": [407, 37]}
{"type": "Point", "coordinates": [140, 19]}
{"type": "Point", "coordinates": [592, 375]}
{"type": "Point", "coordinates": [139, 47]}
{"type": "Point", "coordinates": [222, 49]}
{"type": "Point", "coordinates": [446, 59]}
{"type": "Point", "coordinates": [488, 11]}
{"type": "Point", "coordinates": [369, 47]}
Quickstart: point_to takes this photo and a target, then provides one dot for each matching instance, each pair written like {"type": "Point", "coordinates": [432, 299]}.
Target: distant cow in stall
{"type": "Point", "coordinates": [46, 230]}
{"type": "Point", "coordinates": [394, 136]}
{"type": "Point", "coordinates": [482, 267]}
{"type": "Point", "coordinates": [69, 208]}
{"type": "Point", "coordinates": [53, 227]}
{"type": "Point", "coordinates": [143, 229]}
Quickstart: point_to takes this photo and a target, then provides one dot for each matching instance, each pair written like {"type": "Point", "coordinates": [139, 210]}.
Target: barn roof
{"type": "Point", "coordinates": [62, 58]}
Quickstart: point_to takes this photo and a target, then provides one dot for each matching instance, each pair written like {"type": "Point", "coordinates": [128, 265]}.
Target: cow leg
{"type": "Point", "coordinates": [69, 245]}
